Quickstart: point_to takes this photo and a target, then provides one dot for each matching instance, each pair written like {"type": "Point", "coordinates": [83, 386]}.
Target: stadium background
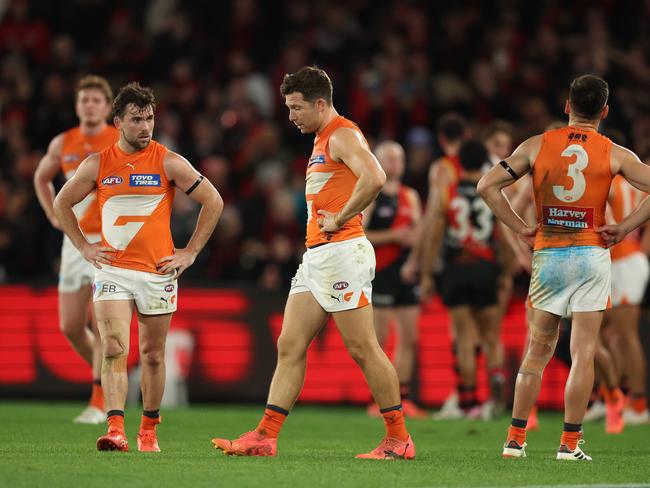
{"type": "Point", "coordinates": [216, 67]}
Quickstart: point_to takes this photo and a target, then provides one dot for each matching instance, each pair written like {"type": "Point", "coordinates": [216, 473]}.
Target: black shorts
{"type": "Point", "coordinates": [388, 289]}
{"type": "Point", "coordinates": [473, 284]}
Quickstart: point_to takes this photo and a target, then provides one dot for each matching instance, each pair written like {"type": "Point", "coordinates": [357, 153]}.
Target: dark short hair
{"type": "Point", "coordinates": [588, 96]}
{"type": "Point", "coordinates": [472, 155]}
{"type": "Point", "coordinates": [452, 126]}
{"type": "Point", "coordinates": [312, 82]}
{"type": "Point", "coordinates": [96, 82]}
{"type": "Point", "coordinates": [133, 93]}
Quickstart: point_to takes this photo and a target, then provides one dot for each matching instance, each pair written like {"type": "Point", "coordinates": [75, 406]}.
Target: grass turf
{"type": "Point", "coordinates": [39, 446]}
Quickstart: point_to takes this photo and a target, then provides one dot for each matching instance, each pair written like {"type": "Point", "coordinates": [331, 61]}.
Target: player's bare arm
{"type": "Point", "coordinates": [187, 179]}
{"type": "Point", "coordinates": [348, 147]}
{"type": "Point", "coordinates": [490, 186]}
{"type": "Point", "coordinates": [645, 239]}
{"type": "Point", "coordinates": [47, 169]}
{"type": "Point", "coordinates": [439, 178]}
{"type": "Point", "coordinates": [430, 241]}
{"type": "Point", "coordinates": [409, 269]}
{"type": "Point", "coordinates": [506, 254]}
{"type": "Point", "coordinates": [75, 190]}
{"type": "Point", "coordinates": [523, 204]}
{"type": "Point", "coordinates": [626, 163]}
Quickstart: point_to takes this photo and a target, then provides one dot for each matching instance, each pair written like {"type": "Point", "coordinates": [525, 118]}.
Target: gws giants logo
{"type": "Point", "coordinates": [340, 285]}
{"type": "Point", "coordinates": [112, 180]}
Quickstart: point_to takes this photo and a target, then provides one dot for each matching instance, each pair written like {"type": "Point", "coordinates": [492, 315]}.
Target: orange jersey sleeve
{"type": "Point", "coordinates": [571, 180]}
{"type": "Point", "coordinates": [77, 147]}
{"type": "Point", "coordinates": [623, 199]}
{"type": "Point", "coordinates": [135, 200]}
{"type": "Point", "coordinates": [329, 185]}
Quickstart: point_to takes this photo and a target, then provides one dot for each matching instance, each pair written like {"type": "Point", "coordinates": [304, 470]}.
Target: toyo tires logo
{"type": "Point", "coordinates": [145, 180]}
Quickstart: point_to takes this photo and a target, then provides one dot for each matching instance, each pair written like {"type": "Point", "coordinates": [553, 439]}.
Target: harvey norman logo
{"type": "Point", "coordinates": [570, 217]}
{"type": "Point", "coordinates": [144, 180]}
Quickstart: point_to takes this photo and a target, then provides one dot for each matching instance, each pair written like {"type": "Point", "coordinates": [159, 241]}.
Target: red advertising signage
{"type": "Point", "coordinates": [233, 355]}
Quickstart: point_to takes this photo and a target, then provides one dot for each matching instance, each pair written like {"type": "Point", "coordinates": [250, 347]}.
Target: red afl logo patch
{"type": "Point", "coordinates": [169, 288]}
{"type": "Point", "coordinates": [340, 285]}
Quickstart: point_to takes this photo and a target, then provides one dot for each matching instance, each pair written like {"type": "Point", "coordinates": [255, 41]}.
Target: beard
{"type": "Point", "coordinates": [136, 143]}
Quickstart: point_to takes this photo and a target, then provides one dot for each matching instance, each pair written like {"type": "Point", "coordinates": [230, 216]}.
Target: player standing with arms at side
{"type": "Point", "coordinates": [335, 277]}
{"type": "Point", "coordinates": [572, 170]}
{"type": "Point", "coordinates": [137, 263]}
{"type": "Point", "coordinates": [451, 130]}
{"type": "Point", "coordinates": [64, 154]}
{"type": "Point", "coordinates": [473, 254]}
{"type": "Point", "coordinates": [391, 227]}
{"type": "Point", "coordinates": [629, 280]}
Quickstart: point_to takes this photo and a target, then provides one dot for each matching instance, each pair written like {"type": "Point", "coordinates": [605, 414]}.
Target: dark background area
{"type": "Point", "coordinates": [216, 68]}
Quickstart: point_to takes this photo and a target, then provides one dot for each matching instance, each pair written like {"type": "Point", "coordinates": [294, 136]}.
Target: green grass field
{"type": "Point", "coordinates": [39, 446]}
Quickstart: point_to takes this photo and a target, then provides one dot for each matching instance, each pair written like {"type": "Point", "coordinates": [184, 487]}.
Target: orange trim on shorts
{"type": "Point", "coordinates": [363, 301]}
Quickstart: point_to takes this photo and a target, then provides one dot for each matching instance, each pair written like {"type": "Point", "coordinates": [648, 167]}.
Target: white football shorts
{"type": "Point", "coordinates": [339, 275]}
{"type": "Point", "coordinates": [629, 279]}
{"type": "Point", "coordinates": [153, 294]}
{"type": "Point", "coordinates": [75, 271]}
{"type": "Point", "coordinates": [570, 279]}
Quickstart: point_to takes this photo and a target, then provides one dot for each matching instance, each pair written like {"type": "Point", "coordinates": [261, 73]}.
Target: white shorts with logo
{"type": "Point", "coordinates": [570, 279]}
{"type": "Point", "coordinates": [629, 279]}
{"type": "Point", "coordinates": [153, 294]}
{"type": "Point", "coordinates": [339, 275]}
{"type": "Point", "coordinates": [75, 271]}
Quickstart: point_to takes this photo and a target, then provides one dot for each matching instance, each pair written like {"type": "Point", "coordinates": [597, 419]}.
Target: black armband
{"type": "Point", "coordinates": [507, 167]}
{"type": "Point", "coordinates": [193, 187]}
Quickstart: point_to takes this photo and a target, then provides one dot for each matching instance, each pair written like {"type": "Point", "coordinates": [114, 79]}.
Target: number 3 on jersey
{"type": "Point", "coordinates": [575, 172]}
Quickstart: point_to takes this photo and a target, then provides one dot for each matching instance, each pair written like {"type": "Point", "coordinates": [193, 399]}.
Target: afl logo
{"type": "Point", "coordinates": [169, 288]}
{"type": "Point", "coordinates": [112, 180]}
{"type": "Point", "coordinates": [340, 285]}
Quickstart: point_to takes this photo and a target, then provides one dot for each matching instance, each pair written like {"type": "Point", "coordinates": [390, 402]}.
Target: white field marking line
{"type": "Point", "coordinates": [607, 485]}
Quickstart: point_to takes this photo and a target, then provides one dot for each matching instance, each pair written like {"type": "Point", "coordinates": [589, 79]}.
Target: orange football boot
{"type": "Point", "coordinates": [248, 444]}
{"type": "Point", "coordinates": [615, 404]}
{"type": "Point", "coordinates": [391, 448]}
{"type": "Point", "coordinates": [373, 410]}
{"type": "Point", "coordinates": [148, 441]}
{"type": "Point", "coordinates": [533, 420]}
{"type": "Point", "coordinates": [411, 410]}
{"type": "Point", "coordinates": [114, 440]}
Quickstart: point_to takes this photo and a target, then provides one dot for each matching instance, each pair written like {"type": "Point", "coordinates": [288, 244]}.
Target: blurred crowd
{"type": "Point", "coordinates": [216, 67]}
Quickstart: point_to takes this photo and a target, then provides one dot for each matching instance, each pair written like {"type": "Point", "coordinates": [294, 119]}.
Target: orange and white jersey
{"type": "Point", "coordinates": [328, 187]}
{"type": "Point", "coordinates": [453, 166]}
{"type": "Point", "coordinates": [77, 147]}
{"type": "Point", "coordinates": [135, 201]}
{"type": "Point", "coordinates": [571, 180]}
{"type": "Point", "coordinates": [624, 198]}
{"type": "Point", "coordinates": [450, 164]}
